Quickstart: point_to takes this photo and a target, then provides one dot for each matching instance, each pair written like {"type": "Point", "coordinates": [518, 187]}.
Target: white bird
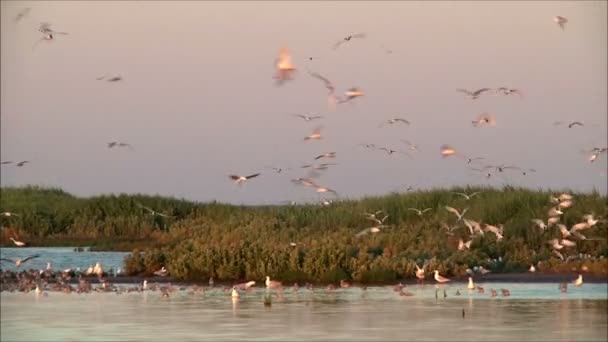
{"type": "Point", "coordinates": [467, 197]}
{"type": "Point", "coordinates": [245, 286]}
{"type": "Point", "coordinates": [242, 179]}
{"type": "Point", "coordinates": [447, 150]}
{"type": "Point", "coordinates": [332, 100]}
{"type": "Point", "coordinates": [420, 272]}
{"type": "Point", "coordinates": [326, 155]}
{"type": "Point", "coordinates": [532, 269]}
{"type": "Point", "coordinates": [162, 272]}
{"type": "Point", "coordinates": [554, 211]}
{"type": "Point", "coordinates": [308, 118]}
{"type": "Point", "coordinates": [561, 21]}
{"type": "Point", "coordinates": [19, 262]}
{"type": "Point", "coordinates": [272, 284]}
{"type": "Point", "coordinates": [474, 94]}
{"type": "Point", "coordinates": [373, 230]}
{"type": "Point", "coordinates": [8, 214]}
{"type": "Point", "coordinates": [420, 212]}
{"type": "Point", "coordinates": [579, 281]}
{"type": "Point", "coordinates": [351, 94]}
{"type": "Point", "coordinates": [471, 285]}
{"type": "Point", "coordinates": [439, 278]}
{"type": "Point", "coordinates": [563, 230]}
{"type": "Point", "coordinates": [590, 221]}
{"type": "Point", "coordinates": [411, 146]}
{"type": "Point", "coordinates": [552, 220]}
{"type": "Point", "coordinates": [580, 226]}
{"type": "Point", "coordinates": [464, 245]}
{"type": "Point", "coordinates": [235, 293]}
{"type": "Point", "coordinates": [565, 204]}
{"type": "Point", "coordinates": [315, 135]}
{"type": "Point", "coordinates": [18, 243]}
{"type": "Point", "coordinates": [456, 212]}
{"type": "Point", "coordinates": [567, 243]}
{"type": "Point", "coordinates": [284, 68]}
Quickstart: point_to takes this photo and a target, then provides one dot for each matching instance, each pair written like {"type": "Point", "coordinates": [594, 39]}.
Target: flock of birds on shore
{"type": "Point", "coordinates": [285, 71]}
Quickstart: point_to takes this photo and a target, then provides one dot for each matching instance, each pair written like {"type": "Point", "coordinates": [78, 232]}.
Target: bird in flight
{"type": "Point", "coordinates": [326, 155]}
{"type": "Point", "coordinates": [6, 162]}
{"type": "Point", "coordinates": [45, 28]}
{"type": "Point", "coordinates": [285, 68]}
{"type": "Point", "coordinates": [467, 197]}
{"type": "Point", "coordinates": [348, 39]}
{"type": "Point", "coordinates": [394, 121]}
{"type": "Point", "coordinates": [21, 163]}
{"type": "Point", "coordinates": [509, 91]}
{"type": "Point", "coordinates": [474, 94]}
{"type": "Point", "coordinates": [18, 262]}
{"type": "Point", "coordinates": [331, 90]}
{"type": "Point", "coordinates": [351, 94]}
{"type": "Point", "coordinates": [447, 150]}
{"type": "Point", "coordinates": [119, 144]}
{"type": "Point", "coordinates": [316, 134]}
{"type": "Point", "coordinates": [242, 179]}
{"type": "Point", "coordinates": [456, 212]}
{"type": "Point", "coordinates": [561, 21]}
{"type": "Point", "coordinates": [485, 119]}
{"type": "Point", "coordinates": [18, 243]}
{"type": "Point", "coordinates": [308, 118]}
{"type": "Point", "coordinates": [418, 211]}
{"type": "Point", "coordinates": [151, 211]}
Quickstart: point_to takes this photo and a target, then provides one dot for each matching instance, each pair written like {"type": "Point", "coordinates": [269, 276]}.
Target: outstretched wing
{"type": "Point", "coordinates": [30, 257]}
{"type": "Point", "coordinates": [253, 175]}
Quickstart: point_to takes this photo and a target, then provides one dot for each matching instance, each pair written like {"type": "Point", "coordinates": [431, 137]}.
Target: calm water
{"type": "Point", "coordinates": [61, 258]}
{"type": "Point", "coordinates": [536, 312]}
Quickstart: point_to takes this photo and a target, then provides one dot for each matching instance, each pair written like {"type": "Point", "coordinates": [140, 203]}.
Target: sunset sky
{"type": "Point", "coordinates": [198, 101]}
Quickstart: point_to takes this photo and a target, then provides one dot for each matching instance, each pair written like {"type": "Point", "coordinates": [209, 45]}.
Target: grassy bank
{"type": "Point", "coordinates": [237, 242]}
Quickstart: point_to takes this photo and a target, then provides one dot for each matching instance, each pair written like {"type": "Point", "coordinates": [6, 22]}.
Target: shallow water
{"type": "Point", "coordinates": [61, 258]}
{"type": "Point", "coordinates": [533, 312]}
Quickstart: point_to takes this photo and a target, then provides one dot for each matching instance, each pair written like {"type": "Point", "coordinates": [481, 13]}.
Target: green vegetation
{"type": "Point", "coordinates": [237, 242]}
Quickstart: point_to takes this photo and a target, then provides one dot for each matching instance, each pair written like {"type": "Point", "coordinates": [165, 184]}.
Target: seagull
{"type": "Point", "coordinates": [351, 94]}
{"type": "Point", "coordinates": [331, 90]}
{"type": "Point", "coordinates": [18, 243]}
{"type": "Point", "coordinates": [304, 181]}
{"type": "Point", "coordinates": [579, 281]}
{"type": "Point", "coordinates": [554, 211]}
{"type": "Point", "coordinates": [316, 134]}
{"type": "Point", "coordinates": [373, 216]}
{"type": "Point", "coordinates": [8, 214]}
{"type": "Point", "coordinates": [326, 155]}
{"type": "Point", "coordinates": [394, 121]}
{"type": "Point", "coordinates": [508, 91]}
{"type": "Point", "coordinates": [485, 119]}
{"type": "Point", "coordinates": [285, 68]}
{"type": "Point", "coordinates": [162, 272]}
{"type": "Point", "coordinates": [373, 230]}
{"type": "Point", "coordinates": [475, 94]}
{"type": "Point", "coordinates": [323, 166]}
{"type": "Point", "coordinates": [439, 278]}
{"type": "Point", "coordinates": [456, 212]}
{"type": "Point", "coordinates": [420, 272]}
{"type": "Point", "coordinates": [390, 151]}
{"type": "Point", "coordinates": [242, 179]}
{"type": "Point", "coordinates": [272, 284]}
{"type": "Point", "coordinates": [22, 14]}
{"type": "Point", "coordinates": [21, 163]}
{"type": "Point", "coordinates": [467, 197]}
{"type": "Point", "coordinates": [561, 21]}
{"type": "Point", "coordinates": [378, 221]}
{"type": "Point", "coordinates": [115, 79]}
{"type": "Point", "coordinates": [347, 39]}
{"type": "Point", "coordinates": [119, 144]}
{"type": "Point", "coordinates": [278, 169]}
{"type": "Point", "coordinates": [308, 118]}
{"type": "Point", "coordinates": [447, 150]}
{"type": "Point", "coordinates": [151, 211]}
{"type": "Point", "coordinates": [418, 211]}
{"type": "Point", "coordinates": [572, 124]}
{"type": "Point", "coordinates": [532, 269]}
{"type": "Point", "coordinates": [18, 262]}
{"type": "Point", "coordinates": [321, 189]}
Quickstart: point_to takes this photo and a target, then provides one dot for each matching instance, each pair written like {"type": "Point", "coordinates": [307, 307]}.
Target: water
{"type": "Point", "coordinates": [61, 258]}
{"type": "Point", "coordinates": [533, 312]}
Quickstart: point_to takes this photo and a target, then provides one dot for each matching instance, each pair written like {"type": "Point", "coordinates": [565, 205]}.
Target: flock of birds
{"type": "Point", "coordinates": [285, 71]}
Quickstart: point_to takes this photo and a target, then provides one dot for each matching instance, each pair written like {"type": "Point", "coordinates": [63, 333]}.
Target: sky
{"type": "Point", "coordinates": [198, 101]}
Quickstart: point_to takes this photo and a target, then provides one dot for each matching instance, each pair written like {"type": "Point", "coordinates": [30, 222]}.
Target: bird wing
{"type": "Point", "coordinates": [7, 259]}
{"type": "Point", "coordinates": [327, 82]}
{"type": "Point", "coordinates": [461, 194]}
{"type": "Point", "coordinates": [452, 210]}
{"type": "Point", "coordinates": [234, 177]}
{"type": "Point", "coordinates": [363, 232]}
{"type": "Point", "coordinates": [413, 209]}
{"type": "Point", "coordinates": [575, 123]}
{"type": "Point", "coordinates": [475, 193]}
{"type": "Point", "coordinates": [427, 209]}
{"type": "Point", "coordinates": [30, 257]}
{"type": "Point", "coordinates": [402, 120]}
{"type": "Point", "coordinates": [480, 91]}
{"type": "Point", "coordinates": [253, 175]}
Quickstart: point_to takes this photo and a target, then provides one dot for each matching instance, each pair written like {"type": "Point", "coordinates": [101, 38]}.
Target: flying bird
{"type": "Point", "coordinates": [331, 89]}
{"type": "Point", "coordinates": [119, 144]}
{"type": "Point", "coordinates": [18, 262]}
{"type": "Point", "coordinates": [8, 214]}
{"type": "Point", "coordinates": [485, 119]}
{"type": "Point", "coordinates": [285, 69]}
{"type": "Point", "coordinates": [411, 146]}
{"type": "Point", "coordinates": [162, 272]}
{"type": "Point", "coordinates": [326, 155]}
{"type": "Point", "coordinates": [456, 212]}
{"type": "Point", "coordinates": [467, 197]}
{"type": "Point", "coordinates": [242, 179]}
{"type": "Point", "coordinates": [420, 212]}
{"type": "Point", "coordinates": [18, 243]}
{"type": "Point", "coordinates": [6, 162]}
{"type": "Point", "coordinates": [474, 94]}
{"type": "Point", "coordinates": [394, 121]}
{"type": "Point", "coordinates": [373, 230]}
{"type": "Point", "coordinates": [348, 39]}
{"type": "Point", "coordinates": [572, 124]}
{"type": "Point", "coordinates": [308, 118]}
{"type": "Point", "coordinates": [447, 150]}
{"type": "Point", "coordinates": [151, 211]}
{"type": "Point", "coordinates": [316, 134]}
{"type": "Point", "coordinates": [351, 94]}
{"type": "Point", "coordinates": [508, 91]}
{"type": "Point", "coordinates": [561, 21]}
{"type": "Point", "coordinates": [21, 163]}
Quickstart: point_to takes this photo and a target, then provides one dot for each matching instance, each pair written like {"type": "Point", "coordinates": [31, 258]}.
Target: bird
{"type": "Point", "coordinates": [485, 119]}
{"type": "Point", "coordinates": [420, 212]}
{"type": "Point", "coordinates": [119, 144]}
{"type": "Point", "coordinates": [351, 94]}
{"type": "Point", "coordinates": [474, 94]}
{"type": "Point", "coordinates": [326, 155]}
{"type": "Point", "coordinates": [315, 135]}
{"type": "Point", "coordinates": [456, 212]}
{"type": "Point", "coordinates": [308, 118]}
{"type": "Point", "coordinates": [331, 89]}
{"type": "Point", "coordinates": [579, 281]}
{"type": "Point", "coordinates": [539, 223]}
{"type": "Point", "coordinates": [45, 28]}
{"type": "Point", "coordinates": [151, 211]}
{"type": "Point", "coordinates": [22, 14]}
{"type": "Point", "coordinates": [377, 220]}
{"type": "Point", "coordinates": [115, 78]}
{"type": "Point", "coordinates": [471, 285]}
{"type": "Point", "coordinates": [447, 150]}
{"type": "Point", "coordinates": [284, 68]}
{"type": "Point", "coordinates": [162, 272]}
{"type": "Point", "coordinates": [244, 286]}
{"type": "Point", "coordinates": [508, 91]}
{"type": "Point", "coordinates": [439, 278]}
{"type": "Point", "coordinates": [472, 159]}
{"type": "Point", "coordinates": [18, 243]}
{"type": "Point", "coordinates": [235, 293]}
{"type": "Point", "coordinates": [348, 39]}
{"type": "Point", "coordinates": [272, 284]}
{"type": "Point", "coordinates": [19, 262]}
{"type": "Point", "coordinates": [467, 197]}
{"type": "Point", "coordinates": [532, 269]}
{"type": "Point", "coordinates": [561, 21]}
{"type": "Point", "coordinates": [242, 179]}
{"type": "Point", "coordinates": [572, 124]}
{"type": "Point", "coordinates": [464, 245]}
{"type": "Point", "coordinates": [419, 272]}
{"type": "Point", "coordinates": [394, 121]}
{"type": "Point", "coordinates": [321, 189]}
{"type": "Point", "coordinates": [373, 230]}
{"type": "Point", "coordinates": [6, 162]}
{"type": "Point", "coordinates": [21, 163]}
{"type": "Point", "coordinates": [8, 214]}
